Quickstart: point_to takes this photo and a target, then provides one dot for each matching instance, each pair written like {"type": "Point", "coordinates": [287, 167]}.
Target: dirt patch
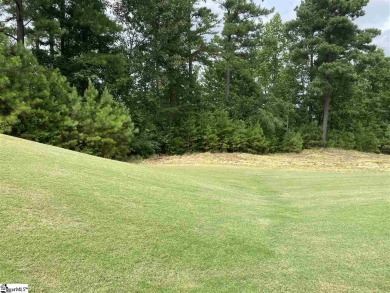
{"type": "Point", "coordinates": [316, 160]}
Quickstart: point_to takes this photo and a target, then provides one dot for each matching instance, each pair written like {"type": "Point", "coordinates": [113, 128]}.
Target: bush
{"type": "Point", "coordinates": [385, 148]}
{"type": "Point", "coordinates": [256, 143]}
{"type": "Point", "coordinates": [104, 126]}
{"type": "Point", "coordinates": [37, 105]}
{"type": "Point", "coordinates": [238, 136]}
{"type": "Point", "coordinates": [210, 140]}
{"type": "Point", "coordinates": [368, 143]}
{"type": "Point", "coordinates": [40, 105]}
{"type": "Point", "coordinates": [366, 140]}
{"type": "Point", "coordinates": [190, 133]}
{"type": "Point", "coordinates": [224, 129]}
{"type": "Point", "coordinates": [342, 139]}
{"type": "Point", "coordinates": [176, 145]}
{"type": "Point", "coordinates": [385, 143]}
{"type": "Point", "coordinates": [292, 142]}
{"type": "Point", "coordinates": [311, 135]}
{"type": "Point", "coordinates": [143, 144]}
{"type": "Point", "coordinates": [214, 131]}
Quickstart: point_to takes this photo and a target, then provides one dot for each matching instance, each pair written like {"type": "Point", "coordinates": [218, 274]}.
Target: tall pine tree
{"type": "Point", "coordinates": [328, 41]}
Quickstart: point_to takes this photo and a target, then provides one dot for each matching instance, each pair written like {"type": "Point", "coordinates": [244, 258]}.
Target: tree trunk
{"type": "Point", "coordinates": [62, 25]}
{"type": "Point", "coordinates": [37, 41]}
{"type": "Point", "coordinates": [192, 81]}
{"type": "Point", "coordinates": [51, 43]}
{"type": "Point", "coordinates": [190, 66]}
{"type": "Point", "coordinates": [325, 118]}
{"type": "Point", "coordinates": [189, 41]}
{"type": "Point", "coordinates": [19, 21]}
{"type": "Point", "coordinates": [227, 72]}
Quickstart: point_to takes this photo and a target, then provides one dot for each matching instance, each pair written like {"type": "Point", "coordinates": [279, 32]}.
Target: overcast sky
{"type": "Point", "coordinates": [377, 16]}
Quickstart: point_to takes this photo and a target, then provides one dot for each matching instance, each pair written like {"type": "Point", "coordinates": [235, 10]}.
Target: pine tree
{"type": "Point", "coordinates": [328, 40]}
{"type": "Point", "coordinates": [104, 126]}
{"type": "Point", "coordinates": [238, 137]}
{"type": "Point", "coordinates": [21, 97]}
{"type": "Point", "coordinates": [277, 79]}
{"type": "Point", "coordinates": [37, 106]}
{"type": "Point", "coordinates": [256, 142]}
{"type": "Point", "coordinates": [240, 34]}
{"type": "Point", "coordinates": [16, 14]}
{"type": "Point", "coordinates": [166, 42]}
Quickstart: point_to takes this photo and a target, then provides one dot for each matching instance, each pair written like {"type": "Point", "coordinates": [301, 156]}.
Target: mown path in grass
{"type": "Point", "coordinates": [327, 231]}
{"type": "Point", "coordinates": [77, 223]}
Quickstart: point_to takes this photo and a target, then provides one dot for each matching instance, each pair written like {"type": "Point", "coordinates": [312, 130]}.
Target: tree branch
{"type": "Point", "coordinates": [7, 34]}
{"type": "Point", "coordinates": [8, 19]}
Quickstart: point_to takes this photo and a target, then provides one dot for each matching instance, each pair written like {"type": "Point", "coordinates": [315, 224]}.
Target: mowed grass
{"type": "Point", "coordinates": [77, 223]}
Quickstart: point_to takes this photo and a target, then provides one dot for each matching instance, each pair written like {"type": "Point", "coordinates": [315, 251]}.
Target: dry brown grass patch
{"type": "Point", "coordinates": [333, 160]}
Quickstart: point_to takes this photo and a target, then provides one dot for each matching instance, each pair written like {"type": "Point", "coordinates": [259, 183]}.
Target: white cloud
{"type": "Point", "coordinates": [383, 41]}
{"type": "Point", "coordinates": [386, 25]}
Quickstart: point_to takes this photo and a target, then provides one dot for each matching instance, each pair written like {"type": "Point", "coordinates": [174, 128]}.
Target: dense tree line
{"type": "Point", "coordinates": [130, 77]}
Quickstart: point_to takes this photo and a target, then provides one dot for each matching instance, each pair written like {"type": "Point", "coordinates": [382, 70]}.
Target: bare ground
{"type": "Point", "coordinates": [332, 160]}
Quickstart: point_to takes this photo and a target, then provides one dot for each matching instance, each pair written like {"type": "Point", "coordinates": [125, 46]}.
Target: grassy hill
{"type": "Point", "coordinates": [77, 223]}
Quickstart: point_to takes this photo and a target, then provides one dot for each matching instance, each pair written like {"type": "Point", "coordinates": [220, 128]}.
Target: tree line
{"type": "Point", "coordinates": [127, 77]}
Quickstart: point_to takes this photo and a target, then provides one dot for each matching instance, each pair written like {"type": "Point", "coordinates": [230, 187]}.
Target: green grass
{"type": "Point", "coordinates": [77, 223]}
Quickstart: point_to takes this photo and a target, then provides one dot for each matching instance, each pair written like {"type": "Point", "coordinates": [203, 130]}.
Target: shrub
{"type": "Point", "coordinates": [256, 143]}
{"type": "Point", "coordinates": [104, 126]}
{"type": "Point", "coordinates": [210, 140]}
{"type": "Point", "coordinates": [143, 144]}
{"type": "Point", "coordinates": [292, 142]}
{"type": "Point", "coordinates": [311, 135]}
{"type": "Point", "coordinates": [176, 145]}
{"type": "Point", "coordinates": [238, 136]}
{"type": "Point", "coordinates": [341, 139]}
{"type": "Point", "coordinates": [224, 129]}
{"type": "Point", "coordinates": [40, 105]}
{"type": "Point", "coordinates": [385, 143]}
{"type": "Point", "coordinates": [366, 140]}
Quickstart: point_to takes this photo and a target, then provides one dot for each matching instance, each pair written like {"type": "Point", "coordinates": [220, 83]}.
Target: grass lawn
{"type": "Point", "coordinates": [77, 223]}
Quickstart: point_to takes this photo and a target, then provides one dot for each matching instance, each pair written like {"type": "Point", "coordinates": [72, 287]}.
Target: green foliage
{"type": "Point", "coordinates": [327, 42]}
{"type": "Point", "coordinates": [43, 107]}
{"type": "Point", "coordinates": [105, 127]}
{"type": "Point", "coordinates": [11, 101]}
{"type": "Point", "coordinates": [256, 143]}
{"type": "Point", "coordinates": [292, 142]}
{"type": "Point", "coordinates": [210, 140]}
{"type": "Point", "coordinates": [143, 144]}
{"type": "Point", "coordinates": [223, 128]}
{"type": "Point", "coordinates": [37, 106]}
{"type": "Point", "coordinates": [342, 139]}
{"type": "Point", "coordinates": [311, 135]}
{"type": "Point", "coordinates": [239, 136]}
{"type": "Point", "coordinates": [242, 90]}
{"type": "Point", "coordinates": [366, 139]}
{"type": "Point", "coordinates": [230, 80]}
{"type": "Point", "coordinates": [216, 132]}
{"type": "Point", "coordinates": [190, 133]}
{"type": "Point", "coordinates": [76, 37]}
{"type": "Point", "coordinates": [385, 144]}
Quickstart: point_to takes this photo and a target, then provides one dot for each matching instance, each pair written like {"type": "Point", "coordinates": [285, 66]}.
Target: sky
{"type": "Point", "coordinates": [377, 16]}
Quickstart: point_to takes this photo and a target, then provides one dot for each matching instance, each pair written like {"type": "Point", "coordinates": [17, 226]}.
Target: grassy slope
{"type": "Point", "coordinates": [77, 223]}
